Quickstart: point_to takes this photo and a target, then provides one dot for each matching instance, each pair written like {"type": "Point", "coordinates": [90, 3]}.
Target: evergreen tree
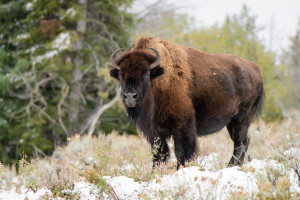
{"type": "Point", "coordinates": [54, 71]}
{"type": "Point", "coordinates": [291, 58]}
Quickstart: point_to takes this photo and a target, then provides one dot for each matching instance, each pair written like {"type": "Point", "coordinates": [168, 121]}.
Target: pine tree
{"type": "Point", "coordinates": [291, 58]}
{"type": "Point", "coordinates": [54, 70]}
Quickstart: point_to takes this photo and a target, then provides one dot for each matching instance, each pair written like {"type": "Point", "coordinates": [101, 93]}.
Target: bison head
{"type": "Point", "coordinates": [135, 70]}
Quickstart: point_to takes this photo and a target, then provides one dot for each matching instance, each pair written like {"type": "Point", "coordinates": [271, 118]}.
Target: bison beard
{"type": "Point", "coordinates": [174, 91]}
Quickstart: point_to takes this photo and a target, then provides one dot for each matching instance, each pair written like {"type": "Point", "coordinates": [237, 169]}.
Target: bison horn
{"type": "Point", "coordinates": [158, 59]}
{"type": "Point", "coordinates": [113, 58]}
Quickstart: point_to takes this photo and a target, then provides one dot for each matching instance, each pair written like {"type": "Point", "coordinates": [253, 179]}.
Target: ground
{"type": "Point", "coordinates": [119, 167]}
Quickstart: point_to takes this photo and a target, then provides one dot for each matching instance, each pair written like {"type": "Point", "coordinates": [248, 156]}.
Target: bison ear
{"type": "Point", "coordinates": [156, 72]}
{"type": "Point", "coordinates": [114, 73]}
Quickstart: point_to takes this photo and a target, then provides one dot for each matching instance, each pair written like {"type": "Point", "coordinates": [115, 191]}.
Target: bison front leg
{"type": "Point", "coordinates": [185, 140]}
{"type": "Point", "coordinates": [160, 150]}
{"type": "Point", "coordinates": [179, 152]}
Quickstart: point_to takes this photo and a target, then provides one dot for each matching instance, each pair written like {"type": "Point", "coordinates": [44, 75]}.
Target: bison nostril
{"type": "Point", "coordinates": [130, 96]}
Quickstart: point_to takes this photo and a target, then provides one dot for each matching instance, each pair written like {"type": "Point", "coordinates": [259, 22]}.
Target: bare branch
{"type": "Point", "coordinates": [101, 110]}
{"type": "Point", "coordinates": [105, 31]}
{"type": "Point", "coordinates": [144, 12]}
{"type": "Point", "coordinates": [295, 166]}
{"type": "Point", "coordinates": [45, 114]}
{"type": "Point", "coordinates": [38, 151]}
{"type": "Point", "coordinates": [64, 92]}
{"type": "Point", "coordinates": [96, 61]}
{"type": "Point", "coordinates": [88, 121]}
{"type": "Point", "coordinates": [43, 81]}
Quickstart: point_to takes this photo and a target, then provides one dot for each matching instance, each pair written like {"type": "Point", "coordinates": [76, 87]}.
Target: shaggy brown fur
{"type": "Point", "coordinates": [191, 93]}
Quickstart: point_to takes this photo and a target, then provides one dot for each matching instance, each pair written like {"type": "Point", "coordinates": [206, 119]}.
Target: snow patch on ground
{"type": "Point", "coordinates": [190, 183]}
{"type": "Point", "coordinates": [210, 162]}
{"type": "Point", "coordinates": [125, 188]}
{"type": "Point", "coordinates": [292, 152]}
{"type": "Point", "coordinates": [86, 191]}
{"type": "Point", "coordinates": [263, 167]}
{"type": "Point", "coordinates": [203, 182]}
{"type": "Point", "coordinates": [24, 193]}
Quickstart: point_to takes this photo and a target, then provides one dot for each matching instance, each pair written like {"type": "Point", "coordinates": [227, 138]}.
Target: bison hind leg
{"type": "Point", "coordinates": [239, 125]}
{"type": "Point", "coordinates": [238, 131]}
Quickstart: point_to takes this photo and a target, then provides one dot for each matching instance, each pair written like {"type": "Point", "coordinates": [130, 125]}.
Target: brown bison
{"type": "Point", "coordinates": [172, 90]}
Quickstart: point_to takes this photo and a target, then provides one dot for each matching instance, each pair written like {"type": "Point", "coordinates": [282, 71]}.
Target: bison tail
{"type": "Point", "coordinates": [259, 102]}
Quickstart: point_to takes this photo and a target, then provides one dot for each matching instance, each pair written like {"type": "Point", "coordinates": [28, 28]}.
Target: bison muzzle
{"type": "Point", "coordinates": [174, 91]}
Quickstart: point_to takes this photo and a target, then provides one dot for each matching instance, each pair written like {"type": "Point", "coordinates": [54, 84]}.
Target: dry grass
{"type": "Point", "coordinates": [90, 158]}
{"type": "Point", "coordinates": [266, 139]}
{"type": "Point", "coordinates": [7, 175]}
{"type": "Point", "coordinates": [115, 155]}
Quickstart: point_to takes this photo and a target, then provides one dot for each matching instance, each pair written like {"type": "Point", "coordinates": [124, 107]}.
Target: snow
{"type": "Point", "coordinates": [86, 191]}
{"type": "Point", "coordinates": [71, 12]}
{"type": "Point", "coordinates": [263, 166]}
{"type": "Point", "coordinates": [125, 187]}
{"type": "Point", "coordinates": [24, 193]}
{"type": "Point", "coordinates": [191, 182]}
{"type": "Point", "coordinates": [23, 36]}
{"type": "Point", "coordinates": [295, 183]}
{"type": "Point", "coordinates": [62, 41]}
{"type": "Point", "coordinates": [31, 50]}
{"type": "Point", "coordinates": [292, 152]}
{"type": "Point", "coordinates": [47, 55]}
{"type": "Point", "coordinates": [204, 181]}
{"type": "Point", "coordinates": [210, 162]}
{"type": "Point", "coordinates": [28, 6]}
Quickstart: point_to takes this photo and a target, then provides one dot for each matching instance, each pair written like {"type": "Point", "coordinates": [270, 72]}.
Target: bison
{"type": "Point", "coordinates": [173, 90]}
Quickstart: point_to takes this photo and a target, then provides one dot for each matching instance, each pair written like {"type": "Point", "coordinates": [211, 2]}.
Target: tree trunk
{"type": "Point", "coordinates": [76, 89]}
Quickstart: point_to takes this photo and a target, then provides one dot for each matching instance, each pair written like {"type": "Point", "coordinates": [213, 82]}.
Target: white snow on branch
{"type": "Point", "coordinates": [47, 55]}
{"type": "Point", "coordinates": [23, 36]}
{"type": "Point", "coordinates": [28, 6]}
{"type": "Point", "coordinates": [71, 12]}
{"type": "Point", "coordinates": [62, 41]}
